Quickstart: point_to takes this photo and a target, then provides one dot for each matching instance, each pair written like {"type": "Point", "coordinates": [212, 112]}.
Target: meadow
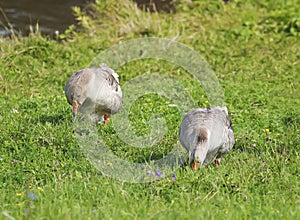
{"type": "Point", "coordinates": [253, 48]}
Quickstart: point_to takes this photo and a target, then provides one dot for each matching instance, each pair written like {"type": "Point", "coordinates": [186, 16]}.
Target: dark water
{"type": "Point", "coordinates": [51, 15]}
{"type": "Point", "coordinates": [54, 15]}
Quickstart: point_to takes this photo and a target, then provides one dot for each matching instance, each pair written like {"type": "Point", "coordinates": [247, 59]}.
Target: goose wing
{"type": "Point", "coordinates": [106, 92]}
{"type": "Point", "coordinates": [76, 86]}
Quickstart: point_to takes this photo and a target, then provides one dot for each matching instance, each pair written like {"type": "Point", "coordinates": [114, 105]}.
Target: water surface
{"type": "Point", "coordinates": [54, 15]}
{"type": "Point", "coordinates": [51, 15]}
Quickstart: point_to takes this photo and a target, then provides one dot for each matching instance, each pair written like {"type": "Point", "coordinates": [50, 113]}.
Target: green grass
{"type": "Point", "coordinates": [253, 48]}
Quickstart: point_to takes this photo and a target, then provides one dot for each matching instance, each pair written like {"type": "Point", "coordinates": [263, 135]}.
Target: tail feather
{"type": "Point", "coordinates": [202, 135]}
{"type": "Point", "coordinates": [201, 148]}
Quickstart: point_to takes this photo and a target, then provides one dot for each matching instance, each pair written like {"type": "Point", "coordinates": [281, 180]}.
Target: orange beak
{"type": "Point", "coordinates": [106, 119]}
{"type": "Point", "coordinates": [195, 165]}
{"type": "Point", "coordinates": [75, 106]}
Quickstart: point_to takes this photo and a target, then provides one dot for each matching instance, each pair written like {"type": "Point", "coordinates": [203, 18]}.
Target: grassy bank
{"type": "Point", "coordinates": [253, 49]}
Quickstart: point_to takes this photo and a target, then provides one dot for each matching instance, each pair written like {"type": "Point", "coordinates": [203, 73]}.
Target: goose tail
{"type": "Point", "coordinates": [199, 152]}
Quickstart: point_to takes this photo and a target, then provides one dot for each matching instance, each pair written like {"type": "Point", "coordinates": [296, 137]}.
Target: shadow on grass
{"type": "Point", "coordinates": [53, 119]}
{"type": "Point", "coordinates": [244, 146]}
{"type": "Point", "coordinates": [291, 120]}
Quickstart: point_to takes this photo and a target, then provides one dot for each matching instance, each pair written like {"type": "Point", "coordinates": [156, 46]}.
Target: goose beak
{"type": "Point", "coordinates": [75, 106]}
{"type": "Point", "coordinates": [195, 165]}
{"type": "Point", "coordinates": [218, 162]}
{"type": "Point", "coordinates": [106, 119]}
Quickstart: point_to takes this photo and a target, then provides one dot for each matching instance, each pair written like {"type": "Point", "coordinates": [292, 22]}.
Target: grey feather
{"type": "Point", "coordinates": [95, 90]}
{"type": "Point", "coordinates": [207, 134]}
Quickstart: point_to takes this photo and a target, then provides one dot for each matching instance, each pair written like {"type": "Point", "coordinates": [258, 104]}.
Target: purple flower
{"type": "Point", "coordinates": [31, 196]}
{"type": "Point", "coordinates": [158, 174]}
{"type": "Point", "coordinates": [148, 172]}
{"type": "Point", "coordinates": [174, 176]}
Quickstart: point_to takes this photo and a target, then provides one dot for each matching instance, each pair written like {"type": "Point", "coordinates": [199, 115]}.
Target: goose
{"type": "Point", "coordinates": [94, 90]}
{"type": "Point", "coordinates": [206, 134]}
